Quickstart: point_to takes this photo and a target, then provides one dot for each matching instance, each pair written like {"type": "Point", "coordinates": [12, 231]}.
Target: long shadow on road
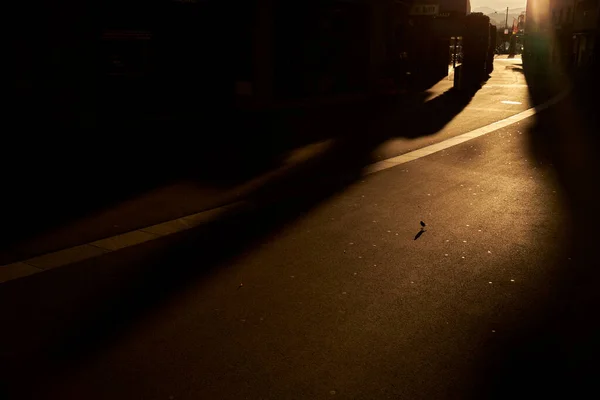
{"type": "Point", "coordinates": [218, 152]}
{"type": "Point", "coordinates": [55, 318]}
{"type": "Point", "coordinates": [555, 352]}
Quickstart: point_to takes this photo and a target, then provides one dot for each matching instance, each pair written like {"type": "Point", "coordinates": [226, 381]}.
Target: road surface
{"type": "Point", "coordinates": [327, 287]}
{"type": "Point", "coordinates": [112, 208]}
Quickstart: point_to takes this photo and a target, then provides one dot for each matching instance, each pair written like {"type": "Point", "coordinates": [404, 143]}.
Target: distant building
{"type": "Point", "coordinates": [446, 7]}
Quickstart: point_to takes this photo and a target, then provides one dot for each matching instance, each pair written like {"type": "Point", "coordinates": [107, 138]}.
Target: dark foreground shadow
{"type": "Point", "coordinates": [68, 180]}
{"type": "Point", "coordinates": [55, 318]}
{"type": "Point", "coordinates": [554, 353]}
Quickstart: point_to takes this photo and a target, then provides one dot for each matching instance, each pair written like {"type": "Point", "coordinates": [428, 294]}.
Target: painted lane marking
{"type": "Point", "coordinates": [453, 141]}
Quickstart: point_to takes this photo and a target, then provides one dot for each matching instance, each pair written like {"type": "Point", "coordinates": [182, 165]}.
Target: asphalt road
{"type": "Point", "coordinates": [325, 291]}
{"type": "Point", "coordinates": [137, 198]}
{"type": "Point", "coordinates": [504, 94]}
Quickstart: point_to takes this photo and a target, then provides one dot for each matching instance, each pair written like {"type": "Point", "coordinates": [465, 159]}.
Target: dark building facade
{"type": "Point", "coordinates": [134, 59]}
{"type": "Point", "coordinates": [563, 33]}
{"type": "Point", "coordinates": [426, 35]}
{"type": "Point", "coordinates": [313, 51]}
{"type": "Point", "coordinates": [585, 31]}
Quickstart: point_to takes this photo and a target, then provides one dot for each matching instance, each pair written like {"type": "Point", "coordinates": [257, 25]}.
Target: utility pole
{"type": "Point", "coordinates": [454, 56]}
{"type": "Point", "coordinates": [506, 30]}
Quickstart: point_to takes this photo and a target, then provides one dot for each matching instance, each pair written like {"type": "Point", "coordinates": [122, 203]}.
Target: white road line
{"type": "Point", "coordinates": [108, 245]}
{"type": "Point", "coordinates": [515, 85]}
{"type": "Point", "coordinates": [100, 247]}
{"type": "Point", "coordinates": [453, 141]}
{"type": "Point", "coordinates": [487, 109]}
